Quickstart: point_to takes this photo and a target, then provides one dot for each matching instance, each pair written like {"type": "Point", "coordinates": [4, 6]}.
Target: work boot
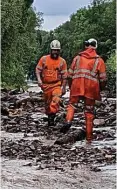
{"type": "Point", "coordinates": [51, 118]}
{"type": "Point", "coordinates": [66, 127]}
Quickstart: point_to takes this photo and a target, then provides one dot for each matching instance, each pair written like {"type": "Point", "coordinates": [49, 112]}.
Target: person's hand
{"type": "Point", "coordinates": [40, 85]}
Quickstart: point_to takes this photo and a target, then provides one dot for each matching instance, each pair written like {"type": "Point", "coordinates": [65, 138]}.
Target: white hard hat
{"type": "Point", "coordinates": [93, 42]}
{"type": "Point", "coordinates": [55, 44]}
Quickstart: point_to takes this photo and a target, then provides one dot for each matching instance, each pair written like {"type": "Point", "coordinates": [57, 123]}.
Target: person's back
{"type": "Point", "coordinates": [88, 73]}
{"type": "Point", "coordinates": [87, 77]}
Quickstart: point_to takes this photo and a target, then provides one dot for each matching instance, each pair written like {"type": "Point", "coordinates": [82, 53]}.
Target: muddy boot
{"type": "Point", "coordinates": [66, 127]}
{"type": "Point", "coordinates": [51, 118]}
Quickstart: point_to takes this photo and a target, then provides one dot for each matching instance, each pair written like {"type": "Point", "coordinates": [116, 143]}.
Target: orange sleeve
{"type": "Point", "coordinates": [39, 66]}
{"type": "Point", "coordinates": [72, 67]}
{"type": "Point", "coordinates": [64, 70]}
{"type": "Point", "coordinates": [102, 71]}
{"type": "Point", "coordinates": [102, 74]}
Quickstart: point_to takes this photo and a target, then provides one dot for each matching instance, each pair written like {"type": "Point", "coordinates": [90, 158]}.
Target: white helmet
{"type": "Point", "coordinates": [55, 44]}
{"type": "Point", "coordinates": [93, 43]}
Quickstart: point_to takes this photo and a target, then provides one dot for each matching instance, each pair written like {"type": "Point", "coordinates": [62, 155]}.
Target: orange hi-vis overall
{"type": "Point", "coordinates": [53, 72]}
{"type": "Point", "coordinates": [88, 73]}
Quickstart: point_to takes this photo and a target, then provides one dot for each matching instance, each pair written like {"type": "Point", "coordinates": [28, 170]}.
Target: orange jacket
{"type": "Point", "coordinates": [52, 70]}
{"type": "Point", "coordinates": [88, 72]}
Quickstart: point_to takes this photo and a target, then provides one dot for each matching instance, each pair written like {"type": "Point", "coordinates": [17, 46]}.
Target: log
{"type": "Point", "coordinates": [72, 137]}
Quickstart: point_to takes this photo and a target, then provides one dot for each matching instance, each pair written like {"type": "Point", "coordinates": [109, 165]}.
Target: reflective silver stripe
{"type": "Point", "coordinates": [69, 76]}
{"type": "Point", "coordinates": [101, 80]}
{"type": "Point", "coordinates": [44, 60]}
{"type": "Point", "coordinates": [95, 65]}
{"type": "Point", "coordinates": [85, 71]}
{"type": "Point", "coordinates": [102, 74]}
{"type": "Point", "coordinates": [71, 71]}
{"type": "Point", "coordinates": [85, 76]}
{"type": "Point", "coordinates": [89, 107]}
{"type": "Point", "coordinates": [39, 67]}
{"type": "Point", "coordinates": [77, 62]}
{"type": "Point", "coordinates": [63, 71]}
{"type": "Point", "coordinates": [61, 63]}
{"type": "Point", "coordinates": [64, 77]}
{"type": "Point", "coordinates": [73, 106]}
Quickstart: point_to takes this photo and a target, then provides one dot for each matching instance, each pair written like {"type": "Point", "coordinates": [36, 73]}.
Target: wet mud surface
{"type": "Point", "coordinates": [31, 156]}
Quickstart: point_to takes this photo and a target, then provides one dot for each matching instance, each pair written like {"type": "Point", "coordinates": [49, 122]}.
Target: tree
{"type": "Point", "coordinates": [18, 40]}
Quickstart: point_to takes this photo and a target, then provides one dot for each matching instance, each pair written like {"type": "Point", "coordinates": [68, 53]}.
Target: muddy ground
{"type": "Point", "coordinates": [32, 156]}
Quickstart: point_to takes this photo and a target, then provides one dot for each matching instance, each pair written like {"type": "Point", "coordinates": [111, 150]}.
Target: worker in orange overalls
{"type": "Point", "coordinates": [51, 72]}
{"type": "Point", "coordinates": [88, 78]}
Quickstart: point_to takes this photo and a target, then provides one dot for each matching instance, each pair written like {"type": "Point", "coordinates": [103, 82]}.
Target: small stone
{"type": "Point", "coordinates": [25, 135]}
{"type": "Point", "coordinates": [35, 134]}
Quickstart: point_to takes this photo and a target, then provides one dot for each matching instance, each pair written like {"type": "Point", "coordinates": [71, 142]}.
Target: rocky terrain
{"type": "Point", "coordinates": [37, 156]}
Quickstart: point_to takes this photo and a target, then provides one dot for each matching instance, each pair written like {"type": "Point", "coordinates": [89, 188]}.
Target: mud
{"type": "Point", "coordinates": [32, 159]}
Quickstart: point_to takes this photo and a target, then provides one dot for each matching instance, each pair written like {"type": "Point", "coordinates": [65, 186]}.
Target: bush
{"type": "Point", "coordinates": [111, 71]}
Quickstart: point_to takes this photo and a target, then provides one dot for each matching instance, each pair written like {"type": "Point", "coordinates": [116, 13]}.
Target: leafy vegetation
{"type": "Point", "coordinates": [111, 71]}
{"type": "Point", "coordinates": [23, 43]}
{"type": "Point", "coordinates": [18, 40]}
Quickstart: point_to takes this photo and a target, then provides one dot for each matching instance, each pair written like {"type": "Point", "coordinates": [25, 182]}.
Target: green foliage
{"type": "Point", "coordinates": [18, 40]}
{"type": "Point", "coordinates": [97, 21]}
{"type": "Point", "coordinates": [111, 71]}
{"type": "Point", "coordinates": [23, 43]}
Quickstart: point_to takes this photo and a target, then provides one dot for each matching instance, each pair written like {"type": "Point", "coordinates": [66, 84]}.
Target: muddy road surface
{"type": "Point", "coordinates": [37, 156]}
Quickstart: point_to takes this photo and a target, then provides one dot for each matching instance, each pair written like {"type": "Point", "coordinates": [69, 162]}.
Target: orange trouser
{"type": "Point", "coordinates": [89, 113]}
{"type": "Point", "coordinates": [52, 99]}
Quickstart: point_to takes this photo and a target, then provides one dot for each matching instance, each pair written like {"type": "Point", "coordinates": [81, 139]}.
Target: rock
{"type": "Point", "coordinates": [25, 135]}
{"type": "Point", "coordinates": [95, 169]}
{"type": "Point", "coordinates": [42, 166]}
{"type": "Point", "coordinates": [35, 134]}
{"type": "Point", "coordinates": [99, 122]}
{"type": "Point", "coordinates": [29, 164]}
{"type": "Point", "coordinates": [74, 164]}
{"type": "Point", "coordinates": [32, 147]}
{"type": "Point", "coordinates": [12, 122]}
{"type": "Point", "coordinates": [59, 168]}
{"type": "Point", "coordinates": [76, 135]}
{"type": "Point", "coordinates": [14, 92]}
{"type": "Point", "coordinates": [62, 159]}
